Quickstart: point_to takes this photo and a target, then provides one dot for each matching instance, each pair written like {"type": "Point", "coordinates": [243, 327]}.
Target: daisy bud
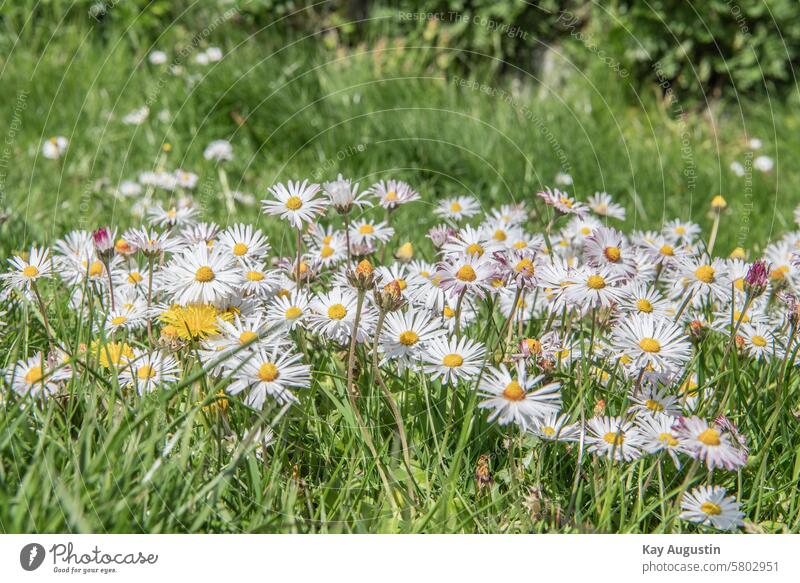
{"type": "Point", "coordinates": [697, 330]}
{"type": "Point", "coordinates": [718, 203]}
{"type": "Point", "coordinates": [123, 247]}
{"type": "Point", "coordinates": [739, 341]}
{"type": "Point", "coordinates": [440, 234]}
{"type": "Point", "coordinates": [405, 252]}
{"type": "Point", "coordinates": [390, 298]}
{"type": "Point", "coordinates": [103, 243]}
{"type": "Point", "coordinates": [363, 276]}
{"type": "Point", "coordinates": [737, 253]}
{"type": "Point", "coordinates": [599, 408]}
{"type": "Point", "coordinates": [755, 282]}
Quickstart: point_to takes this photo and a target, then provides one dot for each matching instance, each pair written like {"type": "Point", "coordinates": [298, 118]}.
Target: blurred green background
{"type": "Point", "coordinates": [651, 102]}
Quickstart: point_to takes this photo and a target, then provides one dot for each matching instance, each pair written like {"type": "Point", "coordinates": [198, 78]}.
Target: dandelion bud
{"type": "Point", "coordinates": [405, 252]}
{"type": "Point", "coordinates": [103, 242]}
{"type": "Point", "coordinates": [755, 282]}
{"type": "Point", "coordinates": [718, 203]}
{"type": "Point", "coordinates": [363, 276]}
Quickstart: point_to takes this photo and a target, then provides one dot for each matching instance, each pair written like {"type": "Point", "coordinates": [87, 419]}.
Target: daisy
{"type": "Point", "coordinates": [128, 315]}
{"type": "Point", "coordinates": [290, 311]}
{"type": "Point", "coordinates": [602, 204]}
{"type": "Point", "coordinates": [453, 359]}
{"type": "Point", "coordinates": [658, 435]}
{"type": "Point", "coordinates": [469, 241]}
{"type": "Point", "coordinates": [519, 400]}
{"type": "Point", "coordinates": [405, 335]}
{"type": "Point", "coordinates": [55, 147]}
{"type": "Point", "coordinates": [331, 252]}
{"type": "Point", "coordinates": [32, 377]}
{"type": "Point", "coordinates": [186, 179]}
{"type": "Point", "coordinates": [607, 248]}
{"type": "Point", "coordinates": [654, 401]}
{"type": "Point", "coordinates": [151, 243]}
{"type": "Point", "coordinates": [149, 370]}
{"type": "Point", "coordinates": [272, 372]}
{"type": "Point", "coordinates": [563, 179]}
{"type": "Point", "coordinates": [594, 287]}
{"type": "Point", "coordinates": [219, 151]}
{"type": "Point", "coordinates": [205, 233]}
{"type": "Point", "coordinates": [458, 208]}
{"type": "Point", "coordinates": [242, 336]}
{"type": "Point", "coordinates": [295, 202]}
{"type": "Point", "coordinates": [333, 316]}
{"type": "Point", "coordinates": [157, 57]}
{"type": "Point", "coordinates": [639, 298]}
{"type": "Point", "coordinates": [509, 215]}
{"type": "Point", "coordinates": [201, 275]}
{"type": "Point", "coordinates": [243, 242]}
{"type": "Point", "coordinates": [393, 193]}
{"type": "Point", "coordinates": [710, 443]}
{"type": "Point", "coordinates": [172, 217]}
{"type": "Point", "coordinates": [764, 164]}
{"type": "Point", "coordinates": [369, 232]}
{"type": "Point", "coordinates": [758, 340]}
{"type": "Point", "coordinates": [613, 438]}
{"type": "Point", "coordinates": [343, 195]}
{"type": "Point", "coordinates": [561, 201]}
{"type": "Point", "coordinates": [25, 273]}
{"type": "Point", "coordinates": [465, 273]}
{"type": "Point", "coordinates": [650, 341]}
{"type": "Point", "coordinates": [708, 505]}
{"type": "Point", "coordinates": [555, 427]}
{"type": "Point", "coordinates": [679, 231]}
{"type": "Point", "coordinates": [704, 279]}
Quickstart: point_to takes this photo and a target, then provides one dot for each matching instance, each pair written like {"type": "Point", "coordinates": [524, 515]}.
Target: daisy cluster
{"type": "Point", "coordinates": [515, 314]}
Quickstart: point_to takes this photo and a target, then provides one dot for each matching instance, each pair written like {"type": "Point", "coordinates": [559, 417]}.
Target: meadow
{"type": "Point", "coordinates": [370, 437]}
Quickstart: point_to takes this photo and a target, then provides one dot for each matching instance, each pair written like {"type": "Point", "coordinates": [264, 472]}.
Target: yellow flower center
{"type": "Point", "coordinates": [759, 341]}
{"type": "Point", "coordinates": [391, 195]}
{"type": "Point", "coordinates": [548, 431]}
{"type": "Point", "coordinates": [667, 250]}
{"type": "Point", "coordinates": [466, 273]}
{"type": "Point", "coordinates": [409, 338]}
{"type": "Point", "coordinates": [240, 249]}
{"type": "Point", "coordinates": [779, 272]}
{"type": "Point", "coordinates": [172, 213]}
{"type": "Point", "coordinates": [401, 284]}
{"type": "Point", "coordinates": [500, 235]}
{"type": "Point", "coordinates": [613, 254]}
{"type": "Point", "coordinates": [118, 321]}
{"type": "Point", "coordinates": [525, 266]}
{"type": "Point", "coordinates": [650, 345]}
{"type": "Point", "coordinates": [135, 277]}
{"type": "Point", "coordinates": [455, 207]}
{"type": "Point", "coordinates": [668, 438]}
{"type": "Point", "coordinates": [614, 438]}
{"type": "Point", "coordinates": [292, 313]}
{"type": "Point", "coordinates": [705, 273]}
{"type": "Point", "coordinates": [586, 231]}
{"type": "Point", "coordinates": [448, 312]}
{"type": "Point", "coordinates": [710, 508]}
{"type": "Point", "coordinates": [679, 230]}
{"type": "Point", "coordinates": [654, 405]}
{"type": "Point", "coordinates": [366, 229]}
{"type": "Point", "coordinates": [644, 306]}
{"type": "Point", "coordinates": [34, 375]}
{"type": "Point", "coordinates": [514, 391]}
{"type": "Point", "coordinates": [596, 282]}
{"type": "Point", "coordinates": [30, 271]}
{"type": "Point", "coordinates": [520, 244]}
{"type": "Point", "coordinates": [204, 274]}
{"type": "Point", "coordinates": [739, 284]}
{"type": "Point", "coordinates": [453, 360]}
{"type": "Point", "coordinates": [268, 372]}
{"type": "Point", "coordinates": [145, 372]}
{"type": "Point", "coordinates": [95, 269]}
{"type": "Point", "coordinates": [567, 202]}
{"type": "Point", "coordinates": [337, 312]}
{"type": "Point", "coordinates": [255, 276]}
{"type": "Point", "coordinates": [326, 251]}
{"type": "Point", "coordinates": [293, 203]}
{"type": "Point", "coordinates": [247, 336]}
{"type": "Point", "coordinates": [475, 249]}
{"type": "Point", "coordinates": [709, 437]}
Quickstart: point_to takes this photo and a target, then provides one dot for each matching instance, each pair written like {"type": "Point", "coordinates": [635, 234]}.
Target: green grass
{"type": "Point", "coordinates": [79, 462]}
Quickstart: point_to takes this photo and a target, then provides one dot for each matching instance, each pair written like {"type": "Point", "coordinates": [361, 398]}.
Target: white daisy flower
{"type": "Point", "coordinates": [650, 341]}
{"type": "Point", "coordinates": [393, 193]}
{"type": "Point", "coordinates": [137, 116]}
{"type": "Point", "coordinates": [244, 242]}
{"type": "Point", "coordinates": [290, 311]}
{"type": "Point", "coordinates": [520, 398]}
{"type": "Point", "coordinates": [602, 204]}
{"type": "Point", "coordinates": [370, 232]}
{"type": "Point", "coordinates": [640, 298]}
{"type": "Point", "coordinates": [271, 373]}
{"type": "Point", "coordinates": [343, 195]}
{"type": "Point", "coordinates": [555, 427]}
{"type": "Point", "coordinates": [594, 287]}
{"type": "Point", "coordinates": [295, 202]}
{"type": "Point", "coordinates": [405, 335]}
{"type": "Point", "coordinates": [658, 435]}
{"type": "Point", "coordinates": [458, 208]}
{"type": "Point", "coordinates": [201, 275]}
{"type": "Point", "coordinates": [333, 316]}
{"type": "Point", "coordinates": [33, 376]}
{"type": "Point", "coordinates": [55, 147]}
{"type": "Point", "coordinates": [613, 438]}
{"type": "Point", "coordinates": [678, 231]}
{"type": "Point", "coordinates": [147, 371]}
{"type": "Point", "coordinates": [171, 217]}
{"type": "Point", "coordinates": [705, 279]}
{"type": "Point", "coordinates": [653, 401]}
{"type": "Point", "coordinates": [607, 247]}
{"type": "Point", "coordinates": [453, 360]}
{"type": "Point", "coordinates": [759, 340]}
{"type": "Point", "coordinates": [470, 241]}
{"type": "Point", "coordinates": [468, 273]}
{"type": "Point", "coordinates": [219, 151]}
{"type": "Point", "coordinates": [25, 272]}
{"type": "Point", "coordinates": [764, 164]}
{"type": "Point", "coordinates": [157, 57]}
{"type": "Point", "coordinates": [562, 202]}
{"type": "Point", "coordinates": [186, 179]}
{"type": "Point", "coordinates": [710, 443]}
{"type": "Point", "coordinates": [710, 506]}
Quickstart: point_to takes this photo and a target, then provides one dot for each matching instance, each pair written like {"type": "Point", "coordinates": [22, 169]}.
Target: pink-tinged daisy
{"type": "Point", "coordinates": [453, 360]}
{"type": "Point", "coordinates": [607, 248]}
{"type": "Point", "coordinates": [274, 372]}
{"type": "Point", "coordinates": [466, 273]}
{"type": "Point", "coordinates": [613, 438]}
{"type": "Point", "coordinates": [393, 193]}
{"type": "Point", "coordinates": [519, 398]}
{"type": "Point", "coordinates": [603, 205]}
{"type": "Point", "coordinates": [710, 506]}
{"type": "Point", "coordinates": [201, 275]}
{"type": "Point", "coordinates": [562, 202]}
{"type": "Point", "coordinates": [295, 202]}
{"type": "Point", "coordinates": [711, 443]}
{"type": "Point", "coordinates": [343, 195]}
{"type": "Point", "coordinates": [651, 342]}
